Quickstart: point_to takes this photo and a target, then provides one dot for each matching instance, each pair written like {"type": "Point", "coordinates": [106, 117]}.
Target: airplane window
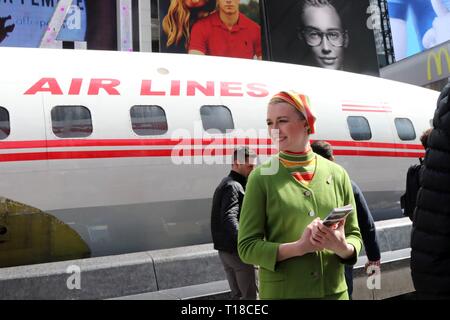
{"type": "Point", "coordinates": [405, 129]}
{"type": "Point", "coordinates": [216, 119]}
{"type": "Point", "coordinates": [71, 121]}
{"type": "Point", "coordinates": [148, 120]}
{"type": "Point", "coordinates": [359, 128]}
{"type": "Point", "coordinates": [4, 123]}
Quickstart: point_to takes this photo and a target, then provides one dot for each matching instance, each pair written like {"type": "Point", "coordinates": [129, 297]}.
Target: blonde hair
{"type": "Point", "coordinates": [176, 23]}
{"type": "Point", "coordinates": [276, 100]}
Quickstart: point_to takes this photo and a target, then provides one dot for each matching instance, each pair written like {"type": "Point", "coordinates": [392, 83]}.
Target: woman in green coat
{"type": "Point", "coordinates": [281, 228]}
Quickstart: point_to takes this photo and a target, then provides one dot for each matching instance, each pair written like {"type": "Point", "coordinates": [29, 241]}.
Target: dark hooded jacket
{"type": "Point", "coordinates": [430, 240]}
{"type": "Point", "coordinates": [225, 212]}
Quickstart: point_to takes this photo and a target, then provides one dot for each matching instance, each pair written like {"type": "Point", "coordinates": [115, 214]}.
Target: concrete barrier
{"type": "Point", "coordinates": [102, 277]}
{"type": "Point", "coordinates": [186, 266]}
{"type": "Point", "coordinates": [193, 272]}
{"type": "Point", "coordinates": [394, 238]}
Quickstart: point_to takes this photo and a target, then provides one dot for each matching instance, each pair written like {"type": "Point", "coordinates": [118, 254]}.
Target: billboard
{"type": "Point", "coordinates": [210, 27]}
{"type": "Point", "coordinates": [334, 34]}
{"type": "Point", "coordinates": [418, 25]}
{"type": "Point", "coordinates": [23, 23]}
{"type": "Point", "coordinates": [430, 68]}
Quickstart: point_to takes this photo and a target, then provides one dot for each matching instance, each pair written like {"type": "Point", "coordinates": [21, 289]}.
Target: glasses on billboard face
{"type": "Point", "coordinates": [314, 37]}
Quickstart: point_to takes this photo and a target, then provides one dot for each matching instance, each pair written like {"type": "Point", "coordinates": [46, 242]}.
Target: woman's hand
{"type": "Point", "coordinates": [297, 248]}
{"type": "Point", "coordinates": [304, 244]}
{"type": "Point", "coordinates": [330, 238]}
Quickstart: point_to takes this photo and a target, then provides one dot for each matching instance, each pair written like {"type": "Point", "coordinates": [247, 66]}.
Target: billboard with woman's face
{"type": "Point", "coordinates": [178, 18]}
{"type": "Point", "coordinates": [333, 34]}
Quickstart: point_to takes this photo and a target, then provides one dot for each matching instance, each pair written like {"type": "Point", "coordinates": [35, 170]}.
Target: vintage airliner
{"type": "Point", "coordinates": [124, 150]}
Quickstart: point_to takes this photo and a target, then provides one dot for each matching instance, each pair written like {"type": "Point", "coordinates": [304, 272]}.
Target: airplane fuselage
{"type": "Point", "coordinates": [129, 186]}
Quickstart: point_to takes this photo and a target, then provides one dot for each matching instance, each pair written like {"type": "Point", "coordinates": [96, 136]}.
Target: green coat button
{"type": "Point", "coordinates": [330, 179]}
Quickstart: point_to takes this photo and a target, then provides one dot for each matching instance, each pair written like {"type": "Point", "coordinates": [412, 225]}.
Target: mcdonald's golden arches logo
{"type": "Point", "coordinates": [438, 61]}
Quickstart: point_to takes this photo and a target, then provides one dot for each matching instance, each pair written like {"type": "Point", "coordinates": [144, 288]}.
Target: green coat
{"type": "Point", "coordinates": [276, 210]}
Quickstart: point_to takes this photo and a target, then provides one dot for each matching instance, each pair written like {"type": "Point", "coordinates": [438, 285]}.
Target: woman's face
{"type": "Point", "coordinates": [286, 127]}
{"type": "Point", "coordinates": [195, 3]}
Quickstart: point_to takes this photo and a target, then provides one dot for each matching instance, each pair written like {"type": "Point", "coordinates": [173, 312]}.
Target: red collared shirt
{"type": "Point", "coordinates": [210, 36]}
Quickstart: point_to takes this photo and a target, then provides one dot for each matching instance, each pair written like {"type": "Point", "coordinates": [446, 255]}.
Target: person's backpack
{"type": "Point", "coordinates": [408, 199]}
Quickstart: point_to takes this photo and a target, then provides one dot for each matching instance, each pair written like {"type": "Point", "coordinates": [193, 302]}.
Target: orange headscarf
{"type": "Point", "coordinates": [302, 104]}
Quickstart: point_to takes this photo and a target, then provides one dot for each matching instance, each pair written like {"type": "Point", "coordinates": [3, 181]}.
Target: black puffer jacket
{"type": "Point", "coordinates": [430, 241]}
{"type": "Point", "coordinates": [225, 212]}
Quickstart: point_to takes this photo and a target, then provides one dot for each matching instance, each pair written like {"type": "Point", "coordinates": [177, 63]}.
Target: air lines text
{"type": "Point", "coordinates": [174, 88]}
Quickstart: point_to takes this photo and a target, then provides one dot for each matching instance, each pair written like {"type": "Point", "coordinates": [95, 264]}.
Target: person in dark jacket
{"type": "Point", "coordinates": [226, 208]}
{"type": "Point", "coordinates": [365, 221]}
{"type": "Point", "coordinates": [430, 237]}
{"type": "Point", "coordinates": [409, 198]}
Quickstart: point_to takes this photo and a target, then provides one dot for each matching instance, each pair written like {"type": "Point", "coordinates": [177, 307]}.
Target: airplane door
{"type": "Point", "coordinates": [23, 159]}
{"type": "Point", "coordinates": [372, 155]}
{"type": "Point", "coordinates": [27, 233]}
{"type": "Point", "coordinates": [407, 128]}
{"type": "Point", "coordinates": [70, 123]}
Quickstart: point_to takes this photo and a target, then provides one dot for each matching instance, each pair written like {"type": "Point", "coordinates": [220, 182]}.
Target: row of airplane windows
{"type": "Point", "coordinates": [150, 120]}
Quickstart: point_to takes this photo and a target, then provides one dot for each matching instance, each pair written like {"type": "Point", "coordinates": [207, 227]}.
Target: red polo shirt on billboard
{"type": "Point", "coordinates": [212, 37]}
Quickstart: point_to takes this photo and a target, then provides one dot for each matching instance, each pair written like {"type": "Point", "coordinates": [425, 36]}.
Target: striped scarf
{"type": "Point", "coordinates": [301, 166]}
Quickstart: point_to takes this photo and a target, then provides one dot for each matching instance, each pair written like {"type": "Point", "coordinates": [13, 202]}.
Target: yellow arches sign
{"type": "Point", "coordinates": [437, 57]}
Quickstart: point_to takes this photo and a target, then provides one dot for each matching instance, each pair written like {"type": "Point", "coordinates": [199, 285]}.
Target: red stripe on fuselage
{"type": "Point", "coordinates": [126, 142]}
{"type": "Point", "coordinates": [40, 156]}
{"type": "Point", "coordinates": [174, 142]}
{"type": "Point", "coordinates": [381, 145]}
{"type": "Point", "coordinates": [186, 147]}
{"type": "Point", "coordinates": [366, 110]}
{"type": "Point", "coordinates": [365, 106]}
{"type": "Point", "coordinates": [32, 156]}
{"type": "Point", "coordinates": [102, 154]}
{"type": "Point", "coordinates": [370, 153]}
